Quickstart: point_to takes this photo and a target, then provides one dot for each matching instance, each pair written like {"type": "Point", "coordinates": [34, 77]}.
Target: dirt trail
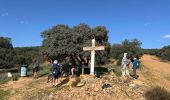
{"type": "Point", "coordinates": [24, 86]}
{"type": "Point", "coordinates": [155, 72]}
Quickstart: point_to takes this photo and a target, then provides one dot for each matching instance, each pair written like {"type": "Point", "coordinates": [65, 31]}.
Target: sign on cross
{"type": "Point", "coordinates": [92, 49]}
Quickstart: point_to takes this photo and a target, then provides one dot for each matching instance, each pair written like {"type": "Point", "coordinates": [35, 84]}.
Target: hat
{"type": "Point", "coordinates": [134, 58]}
{"type": "Point", "coordinates": [55, 62]}
{"type": "Point", "coordinates": [125, 54]}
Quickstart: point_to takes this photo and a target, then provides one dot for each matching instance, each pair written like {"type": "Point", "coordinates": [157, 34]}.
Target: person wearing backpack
{"type": "Point", "coordinates": [135, 66]}
{"type": "Point", "coordinates": [55, 72]}
{"type": "Point", "coordinates": [35, 68]}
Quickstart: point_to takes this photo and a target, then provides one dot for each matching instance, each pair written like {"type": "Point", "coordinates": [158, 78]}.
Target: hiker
{"type": "Point", "coordinates": [50, 77]}
{"type": "Point", "coordinates": [35, 68]}
{"type": "Point", "coordinates": [72, 65]}
{"type": "Point", "coordinates": [135, 66]}
{"type": "Point", "coordinates": [83, 66]}
{"type": "Point", "coordinates": [63, 70]}
{"type": "Point", "coordinates": [125, 65]}
{"type": "Point", "coordinates": [81, 61]}
{"type": "Point", "coordinates": [55, 72]}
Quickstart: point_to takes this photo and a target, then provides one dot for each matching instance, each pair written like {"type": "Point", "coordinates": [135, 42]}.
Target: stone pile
{"type": "Point", "coordinates": [92, 90]}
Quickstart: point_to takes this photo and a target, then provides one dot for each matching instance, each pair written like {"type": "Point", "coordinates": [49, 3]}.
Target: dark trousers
{"type": "Point", "coordinates": [134, 73]}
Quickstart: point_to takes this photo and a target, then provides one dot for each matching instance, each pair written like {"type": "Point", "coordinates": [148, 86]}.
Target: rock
{"type": "Point", "coordinates": [96, 89]}
{"type": "Point", "coordinates": [9, 74]}
{"type": "Point", "coordinates": [133, 86]}
{"type": "Point", "coordinates": [106, 86]}
{"type": "Point", "coordinates": [80, 84]}
{"type": "Point", "coordinates": [51, 97]}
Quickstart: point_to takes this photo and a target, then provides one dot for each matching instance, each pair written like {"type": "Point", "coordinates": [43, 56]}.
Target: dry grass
{"type": "Point", "coordinates": [155, 71]}
{"type": "Point", "coordinates": [4, 94]}
{"type": "Point", "coordinates": [157, 93]}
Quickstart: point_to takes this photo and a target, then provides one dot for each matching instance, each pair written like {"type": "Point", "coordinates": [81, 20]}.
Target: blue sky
{"type": "Point", "coordinates": [146, 20]}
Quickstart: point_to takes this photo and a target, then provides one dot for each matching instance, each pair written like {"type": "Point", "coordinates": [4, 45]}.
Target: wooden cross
{"type": "Point", "coordinates": [92, 49]}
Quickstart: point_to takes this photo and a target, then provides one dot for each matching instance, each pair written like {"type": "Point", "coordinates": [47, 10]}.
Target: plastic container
{"type": "Point", "coordinates": [24, 70]}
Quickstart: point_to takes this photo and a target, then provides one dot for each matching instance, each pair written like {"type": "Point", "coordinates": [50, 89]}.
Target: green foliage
{"type": "Point", "coordinates": [117, 71]}
{"type": "Point", "coordinates": [157, 93]}
{"type": "Point", "coordinates": [44, 70]}
{"type": "Point", "coordinates": [26, 55]}
{"type": "Point", "coordinates": [10, 57]}
{"type": "Point", "coordinates": [15, 76]}
{"type": "Point", "coordinates": [61, 41]}
{"type": "Point", "coordinates": [100, 70]}
{"type": "Point", "coordinates": [133, 48]}
{"type": "Point", "coordinates": [3, 78]}
{"type": "Point", "coordinates": [6, 53]}
{"type": "Point", "coordinates": [165, 53]}
{"type": "Point", "coordinates": [152, 51]}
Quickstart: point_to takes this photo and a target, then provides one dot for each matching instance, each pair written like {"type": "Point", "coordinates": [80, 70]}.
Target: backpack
{"type": "Point", "coordinates": [55, 68]}
{"type": "Point", "coordinates": [136, 63]}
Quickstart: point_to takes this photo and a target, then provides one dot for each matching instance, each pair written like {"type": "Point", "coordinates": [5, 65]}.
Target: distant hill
{"type": "Point", "coordinates": [27, 53]}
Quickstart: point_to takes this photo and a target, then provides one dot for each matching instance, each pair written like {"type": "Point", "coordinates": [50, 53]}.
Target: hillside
{"type": "Point", "coordinates": [152, 72]}
{"type": "Point", "coordinates": [155, 71]}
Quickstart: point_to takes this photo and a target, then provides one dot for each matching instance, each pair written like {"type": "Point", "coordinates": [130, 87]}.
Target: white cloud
{"type": "Point", "coordinates": [4, 14]}
{"type": "Point", "coordinates": [166, 36]}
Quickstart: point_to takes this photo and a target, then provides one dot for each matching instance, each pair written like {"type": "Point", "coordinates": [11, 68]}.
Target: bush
{"type": "Point", "coordinates": [152, 51]}
{"type": "Point", "coordinates": [62, 41]}
{"type": "Point", "coordinates": [26, 55]}
{"type": "Point", "coordinates": [157, 93]}
{"type": "Point", "coordinates": [165, 53]}
{"type": "Point", "coordinates": [43, 71]}
{"type": "Point", "coordinates": [15, 76]}
{"type": "Point", "coordinates": [132, 48]}
{"type": "Point", "coordinates": [3, 78]}
{"type": "Point", "coordinates": [6, 53]}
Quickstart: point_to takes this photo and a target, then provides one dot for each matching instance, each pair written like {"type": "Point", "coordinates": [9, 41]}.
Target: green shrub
{"type": "Point", "coordinates": [15, 76]}
{"type": "Point", "coordinates": [117, 71]}
{"type": "Point", "coordinates": [4, 78]}
{"type": "Point", "coordinates": [6, 53]}
{"type": "Point", "coordinates": [131, 47]}
{"type": "Point", "coordinates": [43, 71]}
{"type": "Point", "coordinates": [157, 93]}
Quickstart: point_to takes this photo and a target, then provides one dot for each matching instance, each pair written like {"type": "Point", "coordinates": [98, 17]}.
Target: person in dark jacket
{"type": "Point", "coordinates": [55, 72]}
{"type": "Point", "coordinates": [135, 66]}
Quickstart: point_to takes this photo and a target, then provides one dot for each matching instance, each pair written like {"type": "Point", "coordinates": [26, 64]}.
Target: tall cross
{"type": "Point", "coordinates": [92, 49]}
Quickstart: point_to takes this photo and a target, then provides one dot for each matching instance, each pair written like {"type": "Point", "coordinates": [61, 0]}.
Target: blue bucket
{"type": "Point", "coordinates": [23, 71]}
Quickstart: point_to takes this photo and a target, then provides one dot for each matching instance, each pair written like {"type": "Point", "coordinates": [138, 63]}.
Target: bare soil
{"type": "Point", "coordinates": [152, 72]}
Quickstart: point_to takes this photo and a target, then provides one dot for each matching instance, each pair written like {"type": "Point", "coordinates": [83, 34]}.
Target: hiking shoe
{"type": "Point", "coordinates": [135, 78]}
